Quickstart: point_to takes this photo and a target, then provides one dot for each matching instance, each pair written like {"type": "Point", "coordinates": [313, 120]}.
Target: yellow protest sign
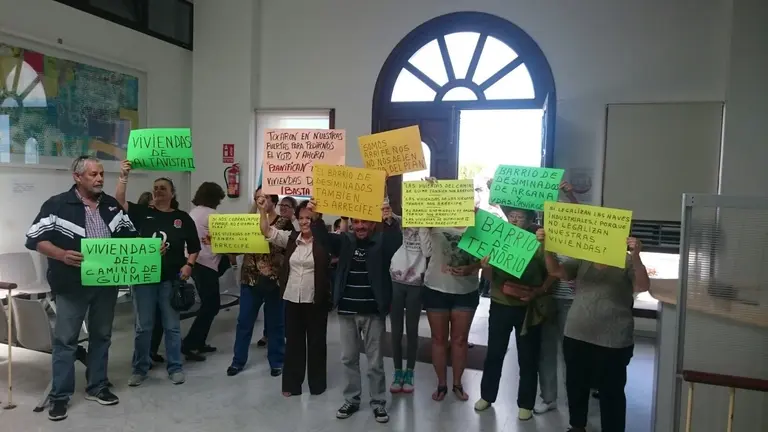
{"type": "Point", "coordinates": [591, 233]}
{"type": "Point", "coordinates": [397, 151]}
{"type": "Point", "coordinates": [346, 191]}
{"type": "Point", "coordinates": [236, 233]}
{"type": "Point", "coordinates": [444, 203]}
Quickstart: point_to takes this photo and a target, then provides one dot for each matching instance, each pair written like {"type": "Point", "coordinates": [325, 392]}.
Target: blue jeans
{"type": "Point", "coordinates": [251, 299]}
{"type": "Point", "coordinates": [146, 300]}
{"type": "Point", "coordinates": [99, 304]}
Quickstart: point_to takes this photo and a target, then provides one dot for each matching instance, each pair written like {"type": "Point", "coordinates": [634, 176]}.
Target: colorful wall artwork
{"type": "Point", "coordinates": [55, 108]}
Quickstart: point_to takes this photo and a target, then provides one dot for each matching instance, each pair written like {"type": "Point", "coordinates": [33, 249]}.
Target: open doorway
{"type": "Point", "coordinates": [489, 138]}
{"type": "Point", "coordinates": [482, 93]}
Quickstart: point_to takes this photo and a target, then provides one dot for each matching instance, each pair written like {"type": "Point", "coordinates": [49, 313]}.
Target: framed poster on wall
{"type": "Point", "coordinates": [56, 107]}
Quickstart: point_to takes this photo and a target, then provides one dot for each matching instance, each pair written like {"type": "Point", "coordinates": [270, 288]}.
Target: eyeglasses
{"type": "Point", "coordinates": [286, 205]}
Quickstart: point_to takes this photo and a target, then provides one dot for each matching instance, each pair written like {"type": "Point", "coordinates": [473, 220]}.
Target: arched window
{"type": "Point", "coordinates": [460, 62]}
{"type": "Point", "coordinates": [463, 66]}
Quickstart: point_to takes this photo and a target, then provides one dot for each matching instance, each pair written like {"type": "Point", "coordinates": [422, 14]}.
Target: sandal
{"type": "Point", "coordinates": [440, 393]}
{"type": "Point", "coordinates": [458, 390]}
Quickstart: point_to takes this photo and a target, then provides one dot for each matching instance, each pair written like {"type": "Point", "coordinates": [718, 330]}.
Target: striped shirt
{"type": "Point", "coordinates": [563, 289]}
{"type": "Point", "coordinates": [95, 227]}
{"type": "Point", "coordinates": [358, 296]}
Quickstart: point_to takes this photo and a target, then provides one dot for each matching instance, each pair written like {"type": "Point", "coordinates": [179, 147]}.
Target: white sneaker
{"type": "Point", "coordinates": [543, 407]}
{"type": "Point", "coordinates": [482, 405]}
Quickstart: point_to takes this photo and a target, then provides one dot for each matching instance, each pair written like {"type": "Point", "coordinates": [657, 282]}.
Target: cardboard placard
{"type": "Point", "coordinates": [525, 187]}
{"type": "Point", "coordinates": [236, 233]}
{"type": "Point", "coordinates": [508, 247]}
{"type": "Point", "coordinates": [397, 151]}
{"type": "Point", "coordinates": [290, 153]}
{"type": "Point", "coordinates": [591, 233]}
{"type": "Point", "coordinates": [119, 261]}
{"type": "Point", "coordinates": [346, 191]}
{"type": "Point", "coordinates": [161, 149]}
{"type": "Point", "coordinates": [444, 203]}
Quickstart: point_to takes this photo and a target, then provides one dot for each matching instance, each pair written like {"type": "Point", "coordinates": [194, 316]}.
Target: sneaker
{"type": "Point", "coordinates": [136, 380]}
{"type": "Point", "coordinates": [104, 397]}
{"type": "Point", "coordinates": [276, 372]}
{"type": "Point", "coordinates": [408, 381]}
{"type": "Point", "coordinates": [177, 378]}
{"type": "Point", "coordinates": [543, 407]}
{"type": "Point", "coordinates": [233, 370]}
{"type": "Point", "coordinates": [524, 414]}
{"type": "Point", "coordinates": [397, 382]}
{"type": "Point", "coordinates": [57, 411]}
{"type": "Point", "coordinates": [380, 414]}
{"type": "Point", "coordinates": [482, 405]}
{"type": "Point", "coordinates": [347, 410]}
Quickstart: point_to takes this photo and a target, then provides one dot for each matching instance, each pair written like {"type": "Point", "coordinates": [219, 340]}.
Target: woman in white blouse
{"type": "Point", "coordinates": [305, 287]}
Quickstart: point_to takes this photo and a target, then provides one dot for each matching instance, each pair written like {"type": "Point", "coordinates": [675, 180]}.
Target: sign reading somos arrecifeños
{"type": "Point", "coordinates": [507, 247]}
{"type": "Point", "coordinates": [117, 262]}
{"type": "Point", "coordinates": [525, 187]}
{"type": "Point", "coordinates": [161, 149]}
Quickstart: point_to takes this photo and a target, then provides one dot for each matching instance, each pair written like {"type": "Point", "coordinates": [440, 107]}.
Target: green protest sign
{"type": "Point", "coordinates": [115, 261]}
{"type": "Point", "coordinates": [508, 247]}
{"type": "Point", "coordinates": [161, 149]}
{"type": "Point", "coordinates": [525, 187]}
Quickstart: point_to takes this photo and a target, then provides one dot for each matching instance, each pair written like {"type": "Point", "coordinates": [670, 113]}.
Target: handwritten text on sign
{"type": "Point", "coordinates": [525, 187]}
{"type": "Point", "coordinates": [346, 191]}
{"type": "Point", "coordinates": [114, 261]}
{"type": "Point", "coordinates": [236, 233]}
{"type": "Point", "coordinates": [508, 247]}
{"type": "Point", "coordinates": [290, 153]}
{"type": "Point", "coordinates": [445, 203]}
{"type": "Point", "coordinates": [161, 150]}
{"type": "Point", "coordinates": [591, 233]}
{"type": "Point", "coordinates": [397, 151]}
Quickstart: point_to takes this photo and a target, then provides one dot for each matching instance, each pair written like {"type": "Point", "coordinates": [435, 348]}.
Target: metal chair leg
{"type": "Point", "coordinates": [731, 405]}
{"type": "Point", "coordinates": [689, 413]}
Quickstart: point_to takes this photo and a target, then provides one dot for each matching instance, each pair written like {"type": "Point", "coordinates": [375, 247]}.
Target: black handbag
{"type": "Point", "coordinates": [183, 296]}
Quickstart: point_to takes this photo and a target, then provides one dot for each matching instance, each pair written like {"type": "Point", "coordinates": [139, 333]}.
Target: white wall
{"type": "Point", "coordinates": [745, 148]}
{"type": "Point", "coordinates": [168, 97]}
{"type": "Point", "coordinates": [225, 63]}
{"type": "Point", "coordinates": [328, 53]}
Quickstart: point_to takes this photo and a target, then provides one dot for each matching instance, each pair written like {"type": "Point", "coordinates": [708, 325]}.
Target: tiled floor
{"type": "Point", "coordinates": [212, 402]}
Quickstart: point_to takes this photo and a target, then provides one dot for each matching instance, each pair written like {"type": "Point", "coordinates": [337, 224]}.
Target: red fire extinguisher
{"type": "Point", "coordinates": [232, 179]}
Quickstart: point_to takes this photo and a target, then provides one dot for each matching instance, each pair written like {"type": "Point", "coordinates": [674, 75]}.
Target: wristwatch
{"type": "Point", "coordinates": [191, 265]}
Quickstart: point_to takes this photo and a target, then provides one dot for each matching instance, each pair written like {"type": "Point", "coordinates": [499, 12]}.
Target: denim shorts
{"type": "Point", "coordinates": [438, 301]}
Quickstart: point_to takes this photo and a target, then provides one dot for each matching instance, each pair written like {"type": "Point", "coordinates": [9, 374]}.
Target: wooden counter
{"type": "Point", "coordinates": [665, 290]}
